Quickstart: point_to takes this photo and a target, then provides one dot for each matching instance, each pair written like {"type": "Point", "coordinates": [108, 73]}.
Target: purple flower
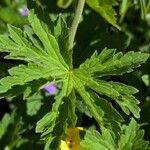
{"type": "Point", "coordinates": [24, 11]}
{"type": "Point", "coordinates": [51, 88]}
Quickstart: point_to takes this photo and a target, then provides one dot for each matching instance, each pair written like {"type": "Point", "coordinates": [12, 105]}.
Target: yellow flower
{"type": "Point", "coordinates": [72, 141]}
{"type": "Point", "coordinates": [64, 145]}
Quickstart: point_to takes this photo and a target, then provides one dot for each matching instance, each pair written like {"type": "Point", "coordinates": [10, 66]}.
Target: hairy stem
{"type": "Point", "coordinates": [75, 23]}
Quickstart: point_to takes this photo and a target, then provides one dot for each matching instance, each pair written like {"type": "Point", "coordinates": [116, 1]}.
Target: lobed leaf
{"type": "Point", "coordinates": [45, 50]}
{"type": "Point", "coordinates": [43, 62]}
{"type": "Point", "coordinates": [109, 63]}
{"type": "Point", "coordinates": [130, 138]}
{"type": "Point", "coordinates": [93, 140]}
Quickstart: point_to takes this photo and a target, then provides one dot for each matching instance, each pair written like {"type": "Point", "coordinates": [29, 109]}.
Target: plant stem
{"type": "Point", "coordinates": [75, 23]}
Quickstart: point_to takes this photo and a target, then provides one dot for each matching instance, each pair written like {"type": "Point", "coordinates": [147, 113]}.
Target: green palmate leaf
{"type": "Point", "coordinates": [93, 140]}
{"type": "Point", "coordinates": [105, 9]}
{"type": "Point", "coordinates": [44, 48]}
{"type": "Point", "coordinates": [122, 94]}
{"type": "Point", "coordinates": [44, 62]}
{"type": "Point", "coordinates": [131, 138]}
{"type": "Point", "coordinates": [43, 55]}
{"type": "Point", "coordinates": [109, 63]}
{"type": "Point", "coordinates": [64, 3]}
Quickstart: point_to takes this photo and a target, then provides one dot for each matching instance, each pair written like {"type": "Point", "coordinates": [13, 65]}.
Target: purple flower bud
{"type": "Point", "coordinates": [51, 88]}
{"type": "Point", "coordinates": [24, 11]}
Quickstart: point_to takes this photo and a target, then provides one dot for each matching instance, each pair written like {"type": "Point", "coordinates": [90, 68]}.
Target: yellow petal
{"type": "Point", "coordinates": [64, 146]}
{"type": "Point", "coordinates": [72, 141]}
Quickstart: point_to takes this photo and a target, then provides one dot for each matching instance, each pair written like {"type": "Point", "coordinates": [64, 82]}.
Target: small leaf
{"type": "Point", "coordinates": [105, 9]}
{"type": "Point", "coordinates": [146, 79]}
{"type": "Point", "coordinates": [93, 140]}
{"type": "Point", "coordinates": [132, 137]}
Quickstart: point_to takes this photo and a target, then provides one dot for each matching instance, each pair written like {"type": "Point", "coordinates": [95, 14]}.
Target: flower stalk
{"type": "Point", "coordinates": [75, 23]}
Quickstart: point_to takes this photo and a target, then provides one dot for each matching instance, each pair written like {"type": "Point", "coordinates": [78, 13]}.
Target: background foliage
{"type": "Point", "coordinates": [97, 90]}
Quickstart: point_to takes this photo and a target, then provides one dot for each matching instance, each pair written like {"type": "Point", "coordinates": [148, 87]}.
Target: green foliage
{"type": "Point", "coordinates": [40, 59]}
{"type": "Point", "coordinates": [42, 50]}
{"type": "Point", "coordinates": [105, 9]}
{"type": "Point", "coordinates": [109, 63]}
{"type": "Point", "coordinates": [130, 138]}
